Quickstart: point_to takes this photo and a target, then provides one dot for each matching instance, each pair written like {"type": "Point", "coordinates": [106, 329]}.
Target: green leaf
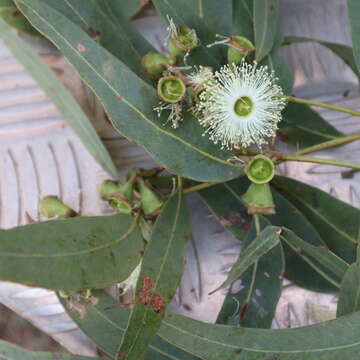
{"type": "Point", "coordinates": [104, 324]}
{"type": "Point", "coordinates": [281, 69]}
{"type": "Point", "coordinates": [12, 16]}
{"type": "Point", "coordinates": [259, 246]}
{"type": "Point", "coordinates": [353, 7]}
{"type": "Point", "coordinates": [188, 13]}
{"type": "Point", "coordinates": [9, 351]}
{"type": "Point", "coordinates": [297, 269]}
{"type": "Point", "coordinates": [343, 51]}
{"type": "Point", "coordinates": [59, 95]}
{"type": "Point", "coordinates": [129, 102]}
{"type": "Point", "coordinates": [302, 126]}
{"type": "Point", "coordinates": [128, 8]}
{"type": "Point", "coordinates": [92, 18]}
{"type": "Point", "coordinates": [118, 11]}
{"type": "Point", "coordinates": [336, 221]}
{"type": "Point", "coordinates": [217, 14]}
{"type": "Point", "coordinates": [224, 201]}
{"type": "Point", "coordinates": [251, 300]}
{"type": "Point", "coordinates": [335, 267]}
{"type": "Point", "coordinates": [243, 23]}
{"type": "Point", "coordinates": [77, 253]}
{"type": "Point", "coordinates": [331, 340]}
{"type": "Point", "coordinates": [160, 276]}
{"type": "Point", "coordinates": [349, 298]}
{"type": "Point", "coordinates": [266, 15]}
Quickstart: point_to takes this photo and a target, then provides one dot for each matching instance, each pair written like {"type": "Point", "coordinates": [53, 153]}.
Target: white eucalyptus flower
{"type": "Point", "coordinates": [242, 106]}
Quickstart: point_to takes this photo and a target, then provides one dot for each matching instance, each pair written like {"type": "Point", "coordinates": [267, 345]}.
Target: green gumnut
{"type": "Point", "coordinates": [52, 206]}
{"type": "Point", "coordinates": [171, 89]}
{"type": "Point", "coordinates": [184, 40]}
{"type": "Point", "coordinates": [150, 201]}
{"type": "Point", "coordinates": [260, 169]}
{"type": "Point", "coordinates": [239, 48]}
{"type": "Point", "coordinates": [258, 199]}
{"type": "Point", "coordinates": [154, 64]}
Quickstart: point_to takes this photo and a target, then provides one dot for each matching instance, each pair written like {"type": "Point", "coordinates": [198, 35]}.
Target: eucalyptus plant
{"type": "Point", "coordinates": [209, 110]}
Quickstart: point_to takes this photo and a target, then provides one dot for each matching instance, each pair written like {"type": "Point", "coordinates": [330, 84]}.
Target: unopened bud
{"type": "Point", "coordinates": [260, 169]}
{"type": "Point", "coordinates": [108, 188]}
{"type": "Point", "coordinates": [171, 89]}
{"type": "Point", "coordinates": [150, 201]}
{"type": "Point", "coordinates": [52, 206]}
{"type": "Point", "coordinates": [258, 199]}
{"type": "Point", "coordinates": [239, 47]}
{"type": "Point", "coordinates": [184, 39]}
{"type": "Point", "coordinates": [155, 64]}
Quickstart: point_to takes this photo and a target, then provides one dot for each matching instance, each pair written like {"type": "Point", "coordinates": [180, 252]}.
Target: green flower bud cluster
{"type": "Point", "coordinates": [136, 193]}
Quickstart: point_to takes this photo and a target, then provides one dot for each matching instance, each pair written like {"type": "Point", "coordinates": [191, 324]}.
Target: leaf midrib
{"type": "Point", "coordinates": [76, 253]}
{"type": "Point", "coordinates": [187, 333]}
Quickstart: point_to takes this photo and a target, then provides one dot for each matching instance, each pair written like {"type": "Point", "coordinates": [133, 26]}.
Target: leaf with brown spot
{"type": "Point", "coordinates": [160, 275]}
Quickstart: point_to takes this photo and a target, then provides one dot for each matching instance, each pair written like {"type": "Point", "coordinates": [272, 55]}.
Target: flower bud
{"type": "Point", "coordinates": [52, 206]}
{"type": "Point", "coordinates": [182, 40]}
{"type": "Point", "coordinates": [260, 169]}
{"type": "Point", "coordinates": [108, 188]}
{"type": "Point", "coordinates": [171, 89]}
{"type": "Point", "coordinates": [258, 199]}
{"type": "Point", "coordinates": [155, 64]}
{"type": "Point", "coordinates": [238, 49]}
{"type": "Point", "coordinates": [150, 201]}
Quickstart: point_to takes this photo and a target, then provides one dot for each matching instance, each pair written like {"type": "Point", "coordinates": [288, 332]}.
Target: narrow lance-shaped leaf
{"type": "Point", "coordinates": [260, 286]}
{"type": "Point", "coordinates": [259, 246]}
{"type": "Point", "coordinates": [118, 12]}
{"type": "Point", "coordinates": [297, 269]}
{"type": "Point", "coordinates": [92, 18]}
{"type": "Point", "coordinates": [160, 275]}
{"type": "Point", "coordinates": [12, 16]}
{"type": "Point", "coordinates": [330, 340]}
{"type": "Point", "coordinates": [336, 221]}
{"type": "Point", "coordinates": [266, 14]}
{"type": "Point", "coordinates": [77, 253]}
{"type": "Point", "coordinates": [353, 7]}
{"type": "Point", "coordinates": [317, 254]}
{"type": "Point", "coordinates": [225, 202]}
{"type": "Point", "coordinates": [104, 323]}
{"type": "Point", "coordinates": [281, 69]}
{"type": "Point", "coordinates": [57, 92]}
{"type": "Point", "coordinates": [343, 51]}
{"type": "Point", "coordinates": [217, 14]}
{"type": "Point", "coordinates": [129, 102]}
{"type": "Point", "coordinates": [128, 8]}
{"type": "Point", "coordinates": [9, 351]}
{"type": "Point", "coordinates": [251, 300]}
{"type": "Point", "coordinates": [302, 126]}
{"type": "Point", "coordinates": [243, 22]}
{"type": "Point", "coordinates": [349, 298]}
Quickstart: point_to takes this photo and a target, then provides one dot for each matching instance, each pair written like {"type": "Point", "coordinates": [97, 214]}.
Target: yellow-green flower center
{"type": "Point", "coordinates": [243, 106]}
